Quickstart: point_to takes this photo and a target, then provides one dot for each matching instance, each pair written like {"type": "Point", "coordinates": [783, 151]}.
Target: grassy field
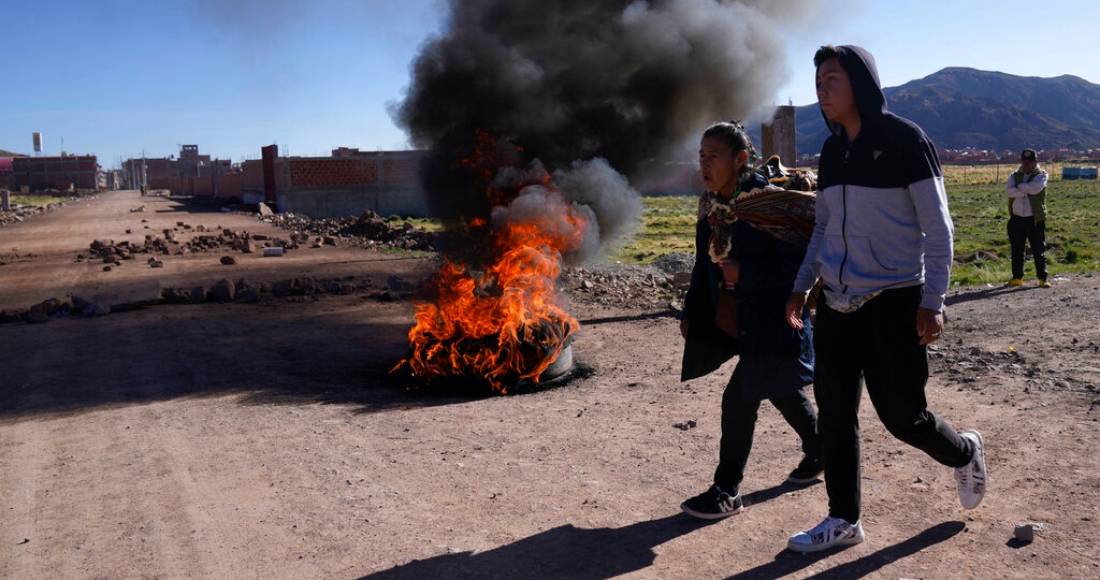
{"type": "Point", "coordinates": [978, 208]}
{"type": "Point", "coordinates": [38, 200]}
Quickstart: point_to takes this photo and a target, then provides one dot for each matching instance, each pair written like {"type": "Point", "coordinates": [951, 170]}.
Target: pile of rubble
{"type": "Point", "coordinates": [369, 230]}
{"type": "Point", "coordinates": [662, 285]}
{"type": "Point", "coordinates": [202, 240]}
{"type": "Point", "coordinates": [43, 311]}
{"type": "Point", "coordinates": [19, 213]}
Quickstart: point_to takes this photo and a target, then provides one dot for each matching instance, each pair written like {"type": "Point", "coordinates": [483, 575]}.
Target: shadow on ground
{"type": "Point", "coordinates": [289, 354]}
{"type": "Point", "coordinates": [579, 554]}
{"type": "Point", "coordinates": [562, 552]}
{"type": "Point", "coordinates": [787, 562]}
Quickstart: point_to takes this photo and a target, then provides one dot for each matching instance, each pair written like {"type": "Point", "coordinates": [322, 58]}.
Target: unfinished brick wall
{"type": "Point", "coordinates": [61, 173]}
{"type": "Point", "coordinates": [230, 186]}
{"type": "Point", "coordinates": [336, 171]}
{"type": "Point", "coordinates": [403, 170]}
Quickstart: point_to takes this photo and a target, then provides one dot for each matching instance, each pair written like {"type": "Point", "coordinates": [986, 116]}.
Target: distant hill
{"type": "Point", "coordinates": [964, 107]}
{"type": "Point", "coordinates": [9, 154]}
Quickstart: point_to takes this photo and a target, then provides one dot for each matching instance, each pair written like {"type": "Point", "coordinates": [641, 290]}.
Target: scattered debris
{"type": "Point", "coordinates": [1026, 532]}
{"type": "Point", "coordinates": [368, 230]}
{"type": "Point", "coordinates": [18, 212]}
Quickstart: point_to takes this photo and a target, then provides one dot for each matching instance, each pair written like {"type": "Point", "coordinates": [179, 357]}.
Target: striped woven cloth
{"type": "Point", "coordinates": [786, 214]}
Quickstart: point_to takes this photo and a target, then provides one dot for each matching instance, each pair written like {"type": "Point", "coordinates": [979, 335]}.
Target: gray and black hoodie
{"type": "Point", "coordinates": [882, 217]}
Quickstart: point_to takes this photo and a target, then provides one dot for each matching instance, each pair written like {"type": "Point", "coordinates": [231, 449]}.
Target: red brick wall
{"type": "Point", "coordinates": [323, 171]}
{"type": "Point", "coordinates": [253, 174]}
{"type": "Point", "coordinates": [403, 170]}
{"type": "Point", "coordinates": [55, 172]}
{"type": "Point", "coordinates": [201, 186]}
{"type": "Point", "coordinates": [171, 183]}
{"type": "Point", "coordinates": [396, 168]}
{"type": "Point", "coordinates": [231, 186]}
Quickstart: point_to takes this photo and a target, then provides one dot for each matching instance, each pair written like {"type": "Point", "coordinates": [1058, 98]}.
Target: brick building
{"type": "Point", "coordinates": [63, 173]}
{"type": "Point", "coordinates": [349, 182]}
{"type": "Point", "coordinates": [5, 173]}
{"type": "Point", "coordinates": [190, 174]}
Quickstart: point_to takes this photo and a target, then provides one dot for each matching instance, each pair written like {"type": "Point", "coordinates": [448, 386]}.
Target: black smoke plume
{"type": "Point", "coordinates": [565, 84]}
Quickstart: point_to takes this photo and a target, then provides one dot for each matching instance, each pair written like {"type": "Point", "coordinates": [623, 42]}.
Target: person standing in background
{"type": "Point", "coordinates": [1027, 208]}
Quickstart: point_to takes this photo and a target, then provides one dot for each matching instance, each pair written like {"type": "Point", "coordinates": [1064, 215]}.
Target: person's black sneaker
{"type": "Point", "coordinates": [713, 504]}
{"type": "Point", "coordinates": [807, 471]}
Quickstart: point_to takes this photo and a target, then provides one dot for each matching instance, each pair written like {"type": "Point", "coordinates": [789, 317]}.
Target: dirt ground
{"type": "Point", "coordinates": [269, 440]}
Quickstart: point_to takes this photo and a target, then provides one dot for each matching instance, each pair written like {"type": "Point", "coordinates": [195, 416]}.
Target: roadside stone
{"type": "Point", "coordinates": [197, 295]}
{"type": "Point", "coordinates": [297, 287]}
{"type": "Point", "coordinates": [100, 244]}
{"type": "Point", "coordinates": [51, 307]}
{"type": "Point", "coordinates": [10, 316]}
{"type": "Point", "coordinates": [228, 260]}
{"type": "Point", "coordinates": [222, 291]}
{"type": "Point", "coordinates": [1026, 532]}
{"type": "Point", "coordinates": [80, 304]}
{"type": "Point", "coordinates": [399, 284]}
{"type": "Point", "coordinates": [175, 296]}
{"type": "Point", "coordinates": [249, 294]}
{"type": "Point", "coordinates": [282, 288]}
{"type": "Point", "coordinates": [36, 317]}
{"type": "Point", "coordinates": [95, 310]}
{"type": "Point", "coordinates": [340, 287]}
{"type": "Point", "coordinates": [304, 285]}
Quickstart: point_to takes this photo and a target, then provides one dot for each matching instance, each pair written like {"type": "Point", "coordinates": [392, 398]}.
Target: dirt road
{"type": "Point", "coordinates": [268, 440]}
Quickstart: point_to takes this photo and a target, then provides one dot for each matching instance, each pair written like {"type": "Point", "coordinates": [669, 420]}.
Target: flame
{"type": "Point", "coordinates": [503, 319]}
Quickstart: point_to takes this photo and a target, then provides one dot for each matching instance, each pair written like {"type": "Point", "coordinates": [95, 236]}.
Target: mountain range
{"type": "Point", "coordinates": [963, 108]}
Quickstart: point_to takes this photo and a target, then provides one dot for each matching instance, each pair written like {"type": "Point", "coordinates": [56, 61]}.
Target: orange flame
{"type": "Point", "coordinates": [506, 320]}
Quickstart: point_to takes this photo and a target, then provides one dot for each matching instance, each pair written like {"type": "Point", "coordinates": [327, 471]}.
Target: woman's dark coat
{"type": "Point", "coordinates": [775, 358]}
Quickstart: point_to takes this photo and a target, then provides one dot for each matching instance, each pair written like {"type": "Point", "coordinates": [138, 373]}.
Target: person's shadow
{"type": "Point", "coordinates": [787, 562]}
{"type": "Point", "coordinates": [579, 554]}
{"type": "Point", "coordinates": [562, 552]}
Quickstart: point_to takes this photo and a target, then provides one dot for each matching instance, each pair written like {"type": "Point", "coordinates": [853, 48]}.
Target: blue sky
{"type": "Point", "coordinates": [116, 78]}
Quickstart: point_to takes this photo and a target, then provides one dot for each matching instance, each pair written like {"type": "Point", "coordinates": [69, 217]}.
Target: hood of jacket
{"type": "Point", "coordinates": [866, 88]}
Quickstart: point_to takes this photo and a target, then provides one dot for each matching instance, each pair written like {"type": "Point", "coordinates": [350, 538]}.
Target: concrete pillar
{"type": "Point", "coordinates": [778, 137]}
{"type": "Point", "coordinates": [5, 200]}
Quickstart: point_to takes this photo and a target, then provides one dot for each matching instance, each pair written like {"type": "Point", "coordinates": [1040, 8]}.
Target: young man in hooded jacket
{"type": "Point", "coordinates": [882, 245]}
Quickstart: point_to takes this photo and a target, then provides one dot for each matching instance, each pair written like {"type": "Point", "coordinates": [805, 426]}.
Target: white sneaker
{"type": "Point", "coordinates": [830, 533]}
{"type": "Point", "coordinates": [971, 477]}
